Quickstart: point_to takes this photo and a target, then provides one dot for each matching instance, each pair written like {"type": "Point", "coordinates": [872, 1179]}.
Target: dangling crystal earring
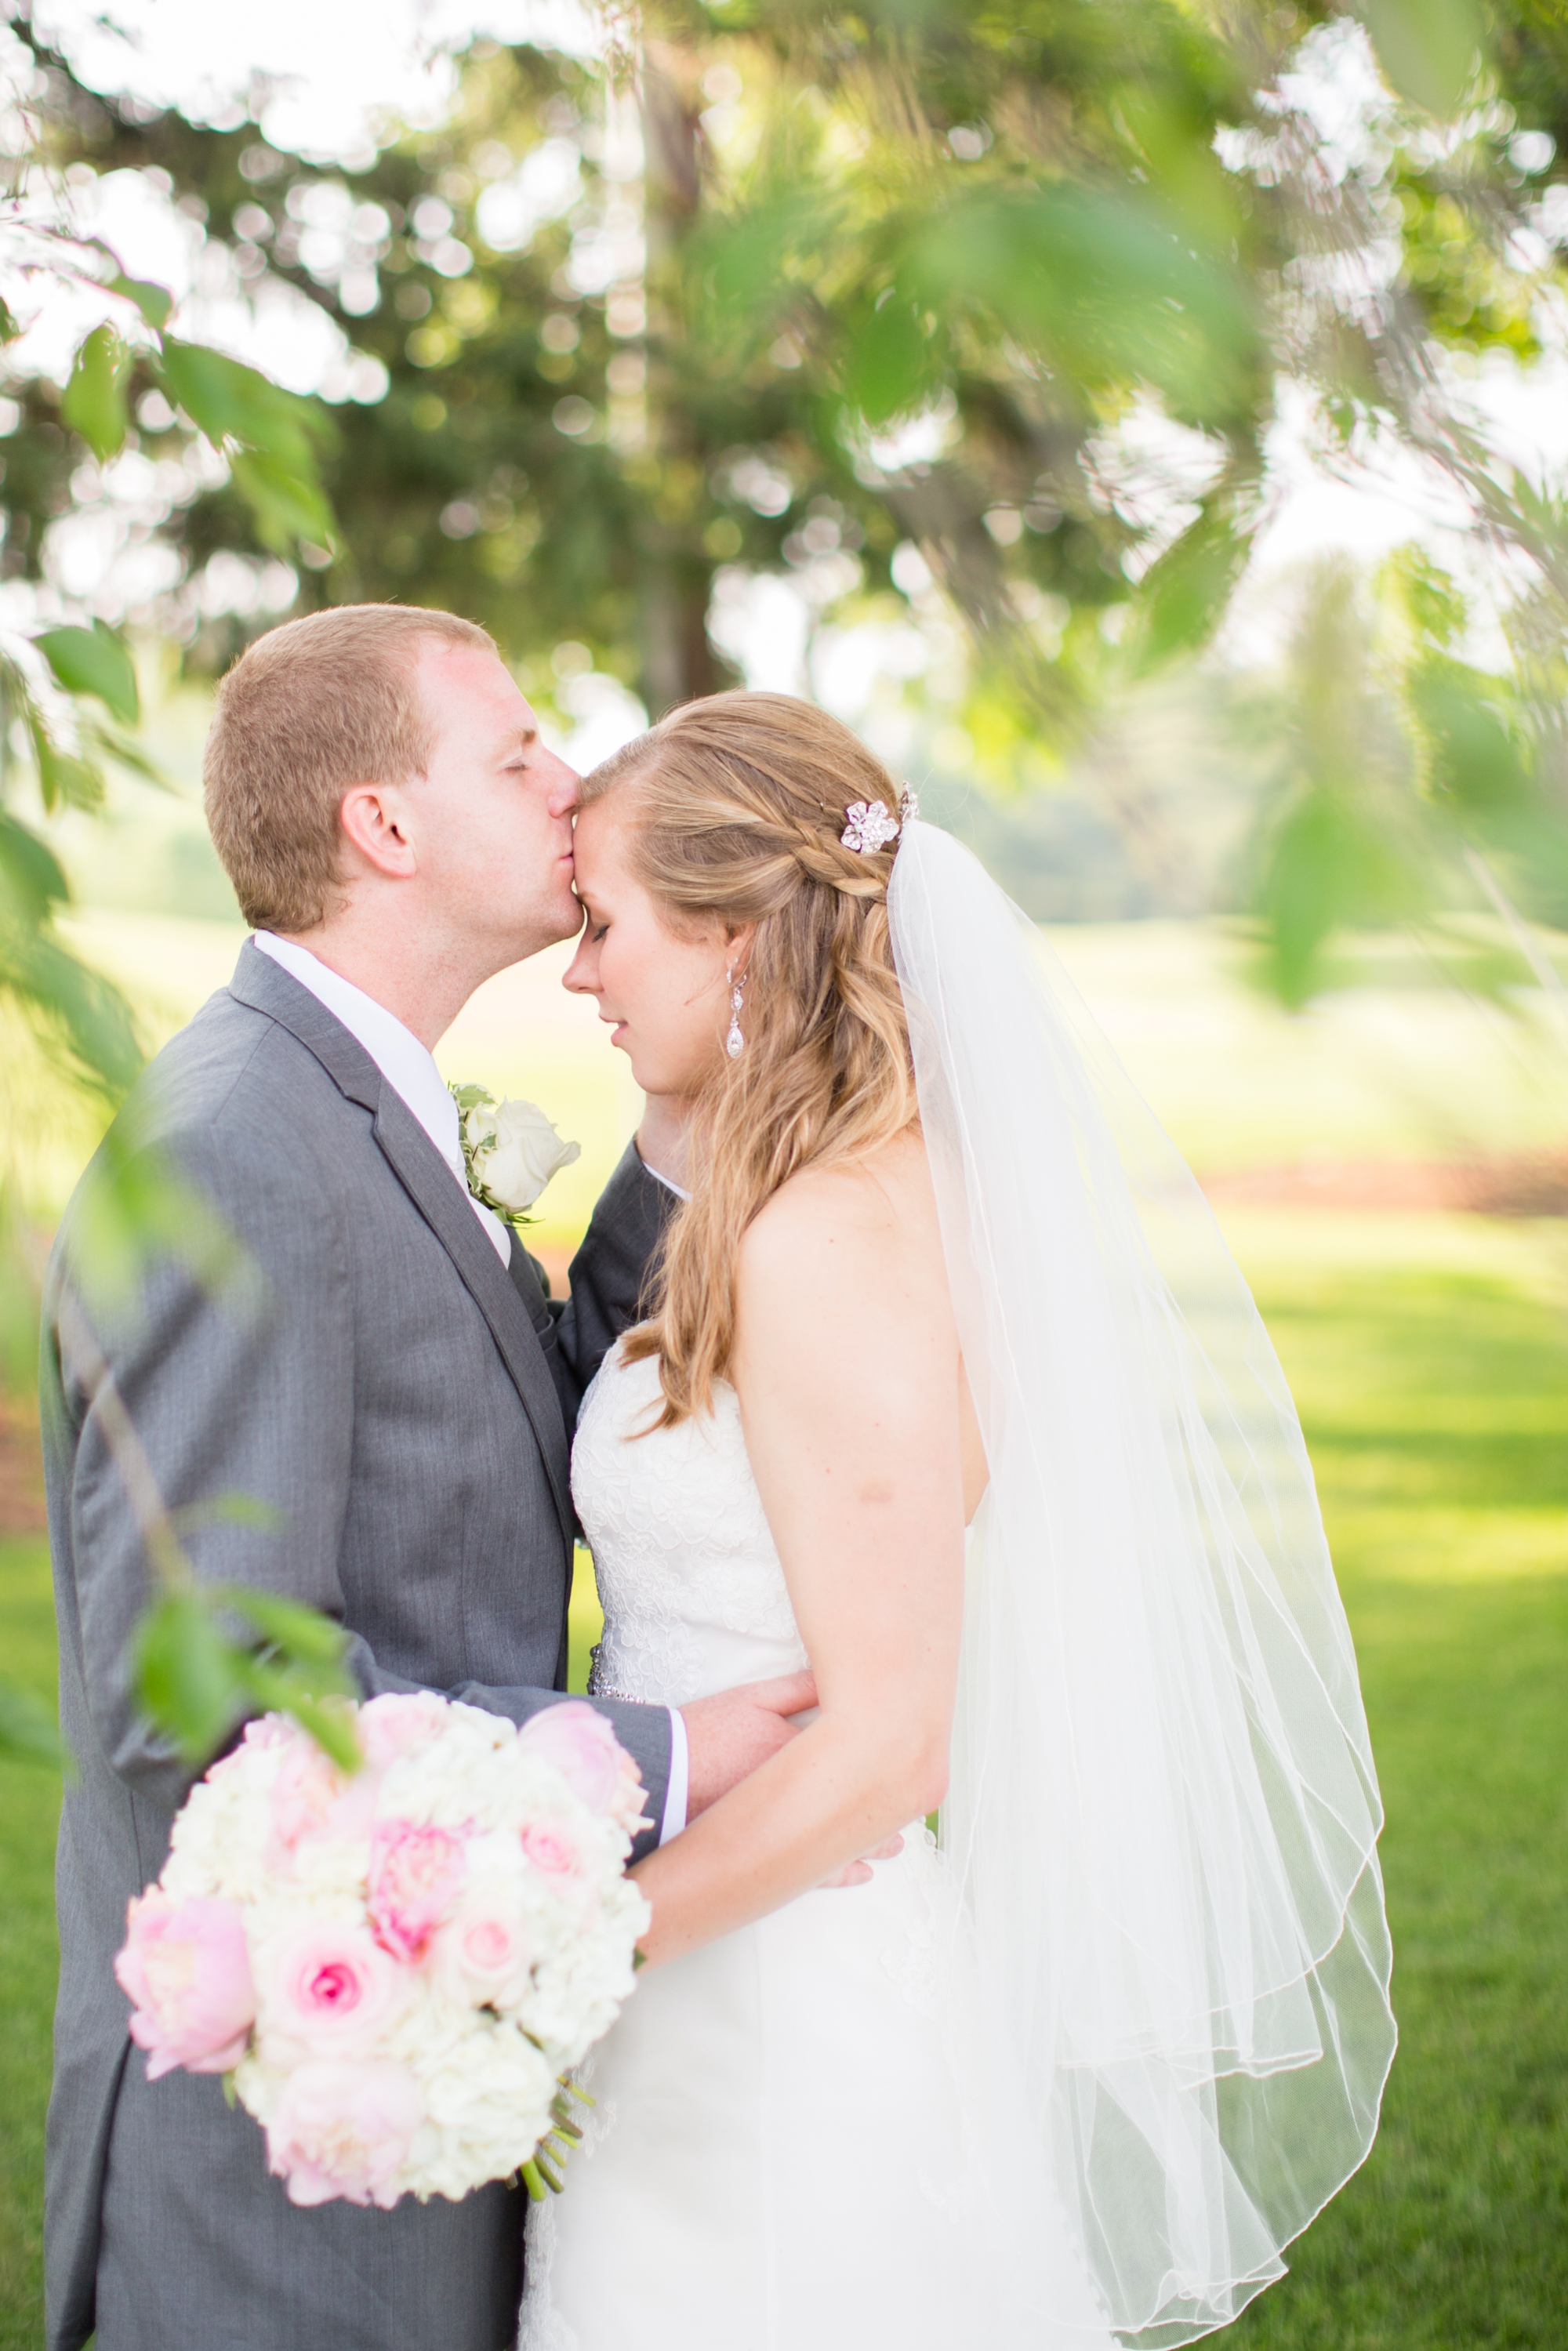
{"type": "Point", "coordinates": [735, 1043]}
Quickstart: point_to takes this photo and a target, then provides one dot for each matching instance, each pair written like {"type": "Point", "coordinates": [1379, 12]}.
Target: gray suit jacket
{"type": "Point", "coordinates": [406, 1404]}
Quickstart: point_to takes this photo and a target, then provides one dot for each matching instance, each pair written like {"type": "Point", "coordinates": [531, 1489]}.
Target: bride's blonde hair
{"type": "Point", "coordinates": [735, 805]}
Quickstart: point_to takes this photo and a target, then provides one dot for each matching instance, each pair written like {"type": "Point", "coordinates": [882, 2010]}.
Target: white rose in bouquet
{"type": "Point", "coordinates": [511, 1149]}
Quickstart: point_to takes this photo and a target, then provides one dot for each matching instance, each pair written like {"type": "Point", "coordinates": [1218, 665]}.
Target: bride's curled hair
{"type": "Point", "coordinates": [734, 808]}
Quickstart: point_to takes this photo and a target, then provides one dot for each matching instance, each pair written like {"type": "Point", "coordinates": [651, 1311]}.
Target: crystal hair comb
{"type": "Point", "coordinates": [870, 825]}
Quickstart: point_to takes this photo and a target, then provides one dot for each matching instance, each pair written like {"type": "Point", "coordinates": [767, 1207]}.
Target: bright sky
{"type": "Point", "coordinates": [339, 62]}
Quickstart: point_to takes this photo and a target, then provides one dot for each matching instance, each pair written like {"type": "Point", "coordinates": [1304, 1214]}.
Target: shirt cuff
{"type": "Point", "coordinates": [674, 1818]}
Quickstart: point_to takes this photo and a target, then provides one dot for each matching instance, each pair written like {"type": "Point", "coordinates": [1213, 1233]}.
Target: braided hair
{"type": "Point", "coordinates": [736, 805]}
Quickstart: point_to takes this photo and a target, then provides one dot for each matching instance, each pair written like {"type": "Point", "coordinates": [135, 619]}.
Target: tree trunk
{"type": "Point", "coordinates": [679, 662]}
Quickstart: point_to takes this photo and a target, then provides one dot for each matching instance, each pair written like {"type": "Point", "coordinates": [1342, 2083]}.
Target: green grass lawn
{"type": "Point", "coordinates": [1432, 1369]}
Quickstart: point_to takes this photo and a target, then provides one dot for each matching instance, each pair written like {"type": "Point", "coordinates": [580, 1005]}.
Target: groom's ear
{"type": "Point", "coordinates": [374, 818]}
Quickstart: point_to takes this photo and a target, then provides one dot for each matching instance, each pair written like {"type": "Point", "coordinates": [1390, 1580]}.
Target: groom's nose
{"type": "Point", "coordinates": [561, 796]}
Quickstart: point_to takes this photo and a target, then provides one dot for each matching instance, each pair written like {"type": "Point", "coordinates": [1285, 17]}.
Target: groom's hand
{"type": "Point", "coordinates": [728, 1736]}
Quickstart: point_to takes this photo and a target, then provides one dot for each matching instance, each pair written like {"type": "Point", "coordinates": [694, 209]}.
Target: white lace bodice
{"type": "Point", "coordinates": [692, 1592]}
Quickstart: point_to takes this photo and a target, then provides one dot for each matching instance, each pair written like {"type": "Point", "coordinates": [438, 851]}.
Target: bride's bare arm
{"type": "Point", "coordinates": [847, 1368]}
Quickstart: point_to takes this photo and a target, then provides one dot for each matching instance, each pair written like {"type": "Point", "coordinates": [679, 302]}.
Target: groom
{"type": "Point", "coordinates": [396, 832]}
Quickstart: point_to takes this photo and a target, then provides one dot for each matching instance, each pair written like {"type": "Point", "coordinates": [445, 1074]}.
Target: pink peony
{"type": "Point", "coordinates": [399, 1724]}
{"type": "Point", "coordinates": [416, 1875]}
{"type": "Point", "coordinates": [311, 1797]}
{"type": "Point", "coordinates": [261, 1730]}
{"type": "Point", "coordinates": [344, 2130]}
{"type": "Point", "coordinates": [330, 1989]}
{"type": "Point", "coordinates": [584, 1748]}
{"type": "Point", "coordinates": [187, 1971]}
{"type": "Point", "coordinates": [482, 1953]}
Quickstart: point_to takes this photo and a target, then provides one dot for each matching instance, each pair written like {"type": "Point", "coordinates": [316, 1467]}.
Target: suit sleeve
{"type": "Point", "coordinates": [249, 1395]}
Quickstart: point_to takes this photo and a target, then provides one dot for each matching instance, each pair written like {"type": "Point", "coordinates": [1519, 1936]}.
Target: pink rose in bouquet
{"type": "Point", "coordinates": [311, 1798]}
{"type": "Point", "coordinates": [344, 2129]}
{"type": "Point", "coordinates": [331, 1990]}
{"type": "Point", "coordinates": [552, 1847]}
{"type": "Point", "coordinates": [416, 1875]}
{"type": "Point", "coordinates": [484, 1953]}
{"type": "Point", "coordinates": [186, 1966]}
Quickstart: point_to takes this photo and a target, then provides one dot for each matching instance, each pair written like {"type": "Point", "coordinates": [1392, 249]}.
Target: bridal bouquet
{"type": "Point", "coordinates": [394, 1969]}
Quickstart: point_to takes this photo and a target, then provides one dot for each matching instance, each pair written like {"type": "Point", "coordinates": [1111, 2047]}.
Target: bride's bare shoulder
{"type": "Point", "coordinates": [851, 1223]}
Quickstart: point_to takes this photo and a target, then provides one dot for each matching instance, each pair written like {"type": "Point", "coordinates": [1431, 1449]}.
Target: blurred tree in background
{"type": "Point", "coordinates": [926, 310]}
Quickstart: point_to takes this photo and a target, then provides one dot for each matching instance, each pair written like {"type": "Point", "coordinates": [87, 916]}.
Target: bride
{"type": "Point", "coordinates": [949, 1390]}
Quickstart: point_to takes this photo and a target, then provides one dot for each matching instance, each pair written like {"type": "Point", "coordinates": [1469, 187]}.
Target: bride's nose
{"type": "Point", "coordinates": [581, 974]}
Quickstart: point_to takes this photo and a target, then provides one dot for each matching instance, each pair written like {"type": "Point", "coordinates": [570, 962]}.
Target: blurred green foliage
{"type": "Point", "coordinates": [771, 288]}
{"type": "Point", "coordinates": [52, 737]}
{"type": "Point", "coordinates": [69, 701]}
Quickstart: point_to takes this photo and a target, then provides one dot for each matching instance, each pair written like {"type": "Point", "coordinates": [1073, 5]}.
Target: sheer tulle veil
{"type": "Point", "coordinates": [1160, 1829]}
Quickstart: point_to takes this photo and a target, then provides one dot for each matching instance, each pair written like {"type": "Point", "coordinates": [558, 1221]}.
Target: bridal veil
{"type": "Point", "coordinates": [1161, 1830]}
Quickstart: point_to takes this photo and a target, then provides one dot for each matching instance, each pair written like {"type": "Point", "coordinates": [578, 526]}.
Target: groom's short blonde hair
{"type": "Point", "coordinates": [310, 710]}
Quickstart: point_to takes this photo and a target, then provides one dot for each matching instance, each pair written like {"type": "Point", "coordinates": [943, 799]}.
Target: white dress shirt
{"type": "Point", "coordinates": [410, 1068]}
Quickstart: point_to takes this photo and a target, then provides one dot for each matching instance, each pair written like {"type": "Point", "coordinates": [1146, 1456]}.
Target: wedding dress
{"type": "Point", "coordinates": [1084, 2072]}
{"type": "Point", "coordinates": [776, 2157]}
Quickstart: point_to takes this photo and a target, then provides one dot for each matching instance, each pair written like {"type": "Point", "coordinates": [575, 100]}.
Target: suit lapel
{"type": "Point", "coordinates": [430, 1185]}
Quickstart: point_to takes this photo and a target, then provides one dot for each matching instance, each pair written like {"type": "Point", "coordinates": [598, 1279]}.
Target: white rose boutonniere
{"type": "Point", "coordinates": [510, 1150]}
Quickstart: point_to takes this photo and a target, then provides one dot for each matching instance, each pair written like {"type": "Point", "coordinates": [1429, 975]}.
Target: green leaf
{"type": "Point", "coordinates": [1183, 596]}
{"type": "Point", "coordinates": [326, 1717]}
{"type": "Point", "coordinates": [1430, 50]}
{"type": "Point", "coordinates": [28, 1731]}
{"type": "Point", "coordinates": [231, 403]}
{"type": "Point", "coordinates": [78, 1007]}
{"type": "Point", "coordinates": [64, 780]}
{"type": "Point", "coordinates": [107, 743]}
{"type": "Point", "coordinates": [889, 370]}
{"type": "Point", "coordinates": [286, 505]}
{"type": "Point", "coordinates": [31, 880]}
{"type": "Point", "coordinates": [1101, 285]}
{"type": "Point", "coordinates": [93, 661]}
{"type": "Point", "coordinates": [188, 1676]}
{"type": "Point", "coordinates": [154, 302]}
{"type": "Point", "coordinates": [231, 1509]}
{"type": "Point", "coordinates": [1330, 866]}
{"type": "Point", "coordinates": [1473, 753]}
{"type": "Point", "coordinates": [9, 327]}
{"type": "Point", "coordinates": [93, 403]}
{"type": "Point", "coordinates": [302, 1634]}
